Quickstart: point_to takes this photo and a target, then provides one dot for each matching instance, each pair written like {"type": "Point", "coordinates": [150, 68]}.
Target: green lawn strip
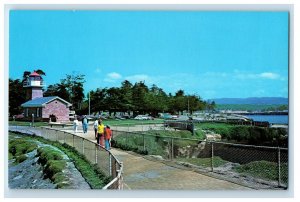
{"type": "Point", "coordinates": [27, 123]}
{"type": "Point", "coordinates": [264, 169]}
{"type": "Point", "coordinates": [131, 122]}
{"type": "Point", "coordinates": [246, 134]}
{"type": "Point", "coordinates": [204, 162]}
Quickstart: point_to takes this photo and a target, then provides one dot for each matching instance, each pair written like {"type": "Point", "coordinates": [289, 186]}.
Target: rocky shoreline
{"type": "Point", "coordinates": [29, 173]}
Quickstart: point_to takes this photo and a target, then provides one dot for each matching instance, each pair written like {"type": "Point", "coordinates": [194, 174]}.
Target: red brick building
{"type": "Point", "coordinates": [43, 108]}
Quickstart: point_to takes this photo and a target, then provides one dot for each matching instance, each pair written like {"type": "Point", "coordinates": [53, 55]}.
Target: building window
{"type": "Point", "coordinates": [37, 112]}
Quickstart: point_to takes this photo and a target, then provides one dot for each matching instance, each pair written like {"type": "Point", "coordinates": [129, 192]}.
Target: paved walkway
{"type": "Point", "coordinates": [141, 173]}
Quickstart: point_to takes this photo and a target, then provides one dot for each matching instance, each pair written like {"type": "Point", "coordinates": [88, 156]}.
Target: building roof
{"type": "Point", "coordinates": [34, 74]}
{"type": "Point", "coordinates": [42, 101]}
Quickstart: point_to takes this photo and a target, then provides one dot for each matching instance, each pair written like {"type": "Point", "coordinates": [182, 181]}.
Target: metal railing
{"type": "Point", "coordinates": [266, 165]}
{"type": "Point", "coordinates": [93, 152]}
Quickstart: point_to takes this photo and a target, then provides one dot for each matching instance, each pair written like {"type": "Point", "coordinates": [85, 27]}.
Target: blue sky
{"type": "Point", "coordinates": [211, 54]}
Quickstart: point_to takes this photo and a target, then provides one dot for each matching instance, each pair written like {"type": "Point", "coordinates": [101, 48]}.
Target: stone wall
{"type": "Point", "coordinates": [57, 108]}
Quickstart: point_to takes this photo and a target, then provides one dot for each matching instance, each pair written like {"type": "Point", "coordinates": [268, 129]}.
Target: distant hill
{"type": "Point", "coordinates": [252, 100]}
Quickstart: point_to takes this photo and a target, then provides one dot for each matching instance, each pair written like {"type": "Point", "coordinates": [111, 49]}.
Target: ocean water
{"type": "Point", "coordinates": [282, 119]}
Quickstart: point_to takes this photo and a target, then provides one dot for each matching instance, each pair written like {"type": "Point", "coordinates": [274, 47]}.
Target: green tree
{"type": "Point", "coordinates": [74, 85]}
{"type": "Point", "coordinates": [98, 102]}
{"type": "Point", "coordinates": [17, 96]}
{"type": "Point", "coordinates": [58, 90]}
{"type": "Point", "coordinates": [139, 92]}
{"type": "Point", "coordinates": [126, 96]}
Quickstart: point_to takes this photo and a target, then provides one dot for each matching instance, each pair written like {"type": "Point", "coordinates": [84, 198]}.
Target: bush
{"type": "Point", "coordinates": [21, 158]}
{"type": "Point", "coordinates": [21, 146]}
{"type": "Point", "coordinates": [264, 169]}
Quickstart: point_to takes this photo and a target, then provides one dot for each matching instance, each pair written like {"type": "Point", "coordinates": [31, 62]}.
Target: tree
{"type": "Point", "coordinates": [157, 100]}
{"type": "Point", "coordinates": [179, 102]}
{"type": "Point", "coordinates": [17, 96]}
{"type": "Point", "coordinates": [126, 96]}
{"type": "Point", "coordinates": [98, 102]}
{"type": "Point", "coordinates": [40, 72]}
{"type": "Point", "coordinates": [58, 90]}
{"type": "Point", "coordinates": [74, 86]}
{"type": "Point", "coordinates": [25, 75]}
{"type": "Point", "coordinates": [139, 91]}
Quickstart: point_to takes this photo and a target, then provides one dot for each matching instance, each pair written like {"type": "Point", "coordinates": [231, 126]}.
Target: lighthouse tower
{"type": "Point", "coordinates": [34, 86]}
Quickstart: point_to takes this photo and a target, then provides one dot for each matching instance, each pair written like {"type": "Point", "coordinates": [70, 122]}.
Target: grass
{"type": "Point", "coordinates": [248, 107]}
{"type": "Point", "coordinates": [204, 162]}
{"type": "Point", "coordinates": [264, 170]}
{"type": "Point", "coordinates": [156, 142]}
{"type": "Point", "coordinates": [131, 122]}
{"type": "Point", "coordinates": [27, 123]}
{"type": "Point", "coordinates": [19, 147]}
{"type": "Point", "coordinates": [94, 176]}
{"type": "Point", "coordinates": [52, 160]}
{"type": "Point", "coordinates": [247, 134]}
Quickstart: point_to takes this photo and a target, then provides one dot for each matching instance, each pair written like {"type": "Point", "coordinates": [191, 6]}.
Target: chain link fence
{"type": "Point", "coordinates": [266, 167]}
{"type": "Point", "coordinates": [93, 152]}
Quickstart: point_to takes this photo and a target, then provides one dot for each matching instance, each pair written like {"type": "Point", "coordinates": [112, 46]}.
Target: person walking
{"type": "Point", "coordinates": [107, 137]}
{"type": "Point", "coordinates": [100, 133]}
{"type": "Point", "coordinates": [85, 124]}
{"type": "Point", "coordinates": [96, 128]}
{"type": "Point", "coordinates": [75, 124]}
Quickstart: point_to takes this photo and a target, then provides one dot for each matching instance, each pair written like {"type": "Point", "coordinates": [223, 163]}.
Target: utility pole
{"type": "Point", "coordinates": [188, 106]}
{"type": "Point", "coordinates": [89, 104]}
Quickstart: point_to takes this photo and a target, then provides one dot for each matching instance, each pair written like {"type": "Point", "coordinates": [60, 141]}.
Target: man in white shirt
{"type": "Point", "coordinates": [96, 128]}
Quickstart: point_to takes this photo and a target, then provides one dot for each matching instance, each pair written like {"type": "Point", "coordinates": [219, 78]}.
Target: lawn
{"type": "Point", "coordinates": [27, 123]}
{"type": "Point", "coordinates": [130, 122]}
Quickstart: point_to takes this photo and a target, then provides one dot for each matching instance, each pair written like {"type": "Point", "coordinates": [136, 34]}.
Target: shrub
{"type": "Point", "coordinates": [21, 158]}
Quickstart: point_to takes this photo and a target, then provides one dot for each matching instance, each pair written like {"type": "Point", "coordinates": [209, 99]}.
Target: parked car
{"type": "Point", "coordinates": [19, 116]}
{"type": "Point", "coordinates": [143, 117]}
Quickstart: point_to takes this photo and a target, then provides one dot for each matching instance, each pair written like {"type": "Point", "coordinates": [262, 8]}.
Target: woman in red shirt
{"type": "Point", "coordinates": [107, 137]}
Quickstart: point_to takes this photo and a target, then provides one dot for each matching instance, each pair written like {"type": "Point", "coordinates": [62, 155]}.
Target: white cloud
{"type": "Point", "coordinates": [112, 77]}
{"type": "Point", "coordinates": [269, 75]}
{"type": "Point", "coordinates": [264, 75]}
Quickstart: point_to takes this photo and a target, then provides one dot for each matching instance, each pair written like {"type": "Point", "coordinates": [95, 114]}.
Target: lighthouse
{"type": "Point", "coordinates": [34, 86]}
{"type": "Point", "coordinates": [42, 108]}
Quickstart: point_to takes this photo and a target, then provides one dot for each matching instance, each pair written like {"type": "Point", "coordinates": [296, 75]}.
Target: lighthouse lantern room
{"type": "Point", "coordinates": [34, 86]}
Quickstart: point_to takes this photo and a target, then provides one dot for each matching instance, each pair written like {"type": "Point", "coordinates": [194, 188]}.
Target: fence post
{"type": "Point", "coordinates": [172, 148]}
{"type": "Point", "coordinates": [96, 159]}
{"type": "Point", "coordinates": [278, 162]}
{"type": "Point", "coordinates": [109, 168]}
{"type": "Point", "coordinates": [144, 145]}
{"type": "Point", "coordinates": [212, 156]}
{"type": "Point", "coordinates": [83, 146]}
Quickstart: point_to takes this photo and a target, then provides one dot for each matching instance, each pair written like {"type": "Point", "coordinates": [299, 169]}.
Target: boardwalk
{"type": "Point", "coordinates": [143, 174]}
